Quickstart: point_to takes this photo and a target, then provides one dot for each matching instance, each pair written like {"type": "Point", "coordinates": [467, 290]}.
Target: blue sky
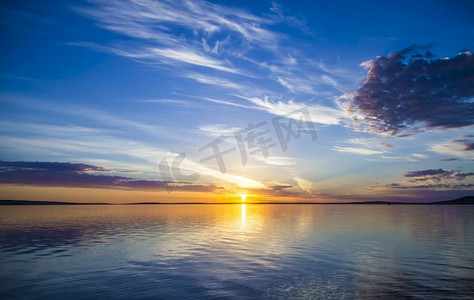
{"type": "Point", "coordinates": [100, 92]}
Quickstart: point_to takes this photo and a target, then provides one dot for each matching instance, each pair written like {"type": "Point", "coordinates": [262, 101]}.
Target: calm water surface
{"type": "Point", "coordinates": [237, 251]}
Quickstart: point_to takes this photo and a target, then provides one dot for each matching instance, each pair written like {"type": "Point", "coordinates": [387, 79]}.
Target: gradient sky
{"type": "Point", "coordinates": [96, 95]}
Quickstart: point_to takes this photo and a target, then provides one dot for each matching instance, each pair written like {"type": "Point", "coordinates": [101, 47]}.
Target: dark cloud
{"type": "Point", "coordinates": [402, 91]}
{"type": "Point", "coordinates": [422, 186]}
{"type": "Point", "coordinates": [435, 176]}
{"type": "Point", "coordinates": [50, 166]}
{"type": "Point", "coordinates": [281, 187]}
{"type": "Point", "coordinates": [450, 159]}
{"type": "Point", "coordinates": [80, 175]}
{"type": "Point", "coordinates": [461, 176]}
{"type": "Point", "coordinates": [275, 191]}
{"type": "Point", "coordinates": [432, 187]}
{"type": "Point", "coordinates": [429, 172]}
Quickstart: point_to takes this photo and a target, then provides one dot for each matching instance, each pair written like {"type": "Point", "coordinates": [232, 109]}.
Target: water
{"type": "Point", "coordinates": [237, 251]}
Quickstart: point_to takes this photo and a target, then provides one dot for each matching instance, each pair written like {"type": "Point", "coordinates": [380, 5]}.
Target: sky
{"type": "Point", "coordinates": [224, 101]}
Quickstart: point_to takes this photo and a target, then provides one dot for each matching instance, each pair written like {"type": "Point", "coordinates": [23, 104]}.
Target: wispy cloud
{"type": "Point", "coordinates": [105, 118]}
{"type": "Point", "coordinates": [407, 157]}
{"type": "Point", "coordinates": [461, 147]}
{"type": "Point", "coordinates": [177, 102]}
{"type": "Point", "coordinates": [191, 57]}
{"type": "Point", "coordinates": [218, 130]}
{"type": "Point", "coordinates": [187, 35]}
{"type": "Point", "coordinates": [224, 102]}
{"type": "Point", "coordinates": [320, 114]}
{"type": "Point", "coordinates": [213, 100]}
{"type": "Point", "coordinates": [304, 184]}
{"type": "Point", "coordinates": [374, 141]}
{"type": "Point", "coordinates": [154, 23]}
{"type": "Point", "coordinates": [217, 81]}
{"type": "Point", "coordinates": [361, 151]}
{"type": "Point", "coordinates": [277, 160]}
{"type": "Point", "coordinates": [297, 22]}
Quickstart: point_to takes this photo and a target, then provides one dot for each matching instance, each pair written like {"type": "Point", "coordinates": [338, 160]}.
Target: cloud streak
{"type": "Point", "coordinates": [354, 150]}
{"type": "Point", "coordinates": [320, 114]}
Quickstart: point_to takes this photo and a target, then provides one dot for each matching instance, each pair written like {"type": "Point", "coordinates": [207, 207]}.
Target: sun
{"type": "Point", "coordinates": [243, 197]}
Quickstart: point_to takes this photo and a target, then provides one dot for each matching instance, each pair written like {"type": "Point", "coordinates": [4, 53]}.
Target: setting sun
{"type": "Point", "coordinates": [243, 197]}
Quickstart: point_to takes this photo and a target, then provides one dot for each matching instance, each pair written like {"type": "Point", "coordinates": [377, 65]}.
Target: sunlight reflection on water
{"type": "Point", "coordinates": [237, 251]}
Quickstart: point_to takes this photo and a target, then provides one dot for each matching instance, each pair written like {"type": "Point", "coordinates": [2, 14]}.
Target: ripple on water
{"type": "Point", "coordinates": [231, 251]}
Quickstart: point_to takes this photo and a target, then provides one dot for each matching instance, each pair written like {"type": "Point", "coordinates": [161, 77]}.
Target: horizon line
{"type": "Point", "coordinates": [462, 201]}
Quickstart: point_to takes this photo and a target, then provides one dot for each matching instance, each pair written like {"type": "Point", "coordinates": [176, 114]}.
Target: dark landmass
{"type": "Point", "coordinates": [377, 202]}
{"type": "Point", "coordinates": [468, 200]}
{"type": "Point", "coordinates": [30, 202]}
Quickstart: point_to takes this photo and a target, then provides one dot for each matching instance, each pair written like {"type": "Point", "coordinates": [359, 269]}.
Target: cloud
{"type": "Point", "coordinates": [58, 174]}
{"type": "Point", "coordinates": [408, 157]}
{"type": "Point", "coordinates": [99, 116]}
{"type": "Point", "coordinates": [280, 187]}
{"type": "Point", "coordinates": [450, 159]}
{"type": "Point", "coordinates": [217, 130]}
{"type": "Point", "coordinates": [191, 57]}
{"type": "Point", "coordinates": [175, 102]}
{"type": "Point", "coordinates": [371, 141]}
{"type": "Point", "coordinates": [304, 184]}
{"type": "Point", "coordinates": [319, 113]}
{"type": "Point", "coordinates": [213, 100]}
{"type": "Point", "coordinates": [276, 160]}
{"type": "Point", "coordinates": [280, 190]}
{"type": "Point", "coordinates": [402, 91]}
{"type": "Point", "coordinates": [362, 151]}
{"type": "Point", "coordinates": [436, 186]}
{"type": "Point", "coordinates": [467, 142]}
{"type": "Point", "coordinates": [224, 102]}
{"type": "Point", "coordinates": [296, 22]}
{"type": "Point", "coordinates": [51, 166]}
{"type": "Point", "coordinates": [462, 148]}
{"type": "Point", "coordinates": [216, 81]}
{"type": "Point", "coordinates": [437, 175]}
{"type": "Point", "coordinates": [429, 172]}
{"type": "Point", "coordinates": [433, 183]}
{"type": "Point", "coordinates": [461, 176]}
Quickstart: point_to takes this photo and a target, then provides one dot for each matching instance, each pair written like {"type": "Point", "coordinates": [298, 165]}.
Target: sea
{"type": "Point", "coordinates": [237, 251]}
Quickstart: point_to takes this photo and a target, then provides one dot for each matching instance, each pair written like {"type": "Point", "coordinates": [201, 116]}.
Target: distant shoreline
{"type": "Point", "coordinates": [468, 200]}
